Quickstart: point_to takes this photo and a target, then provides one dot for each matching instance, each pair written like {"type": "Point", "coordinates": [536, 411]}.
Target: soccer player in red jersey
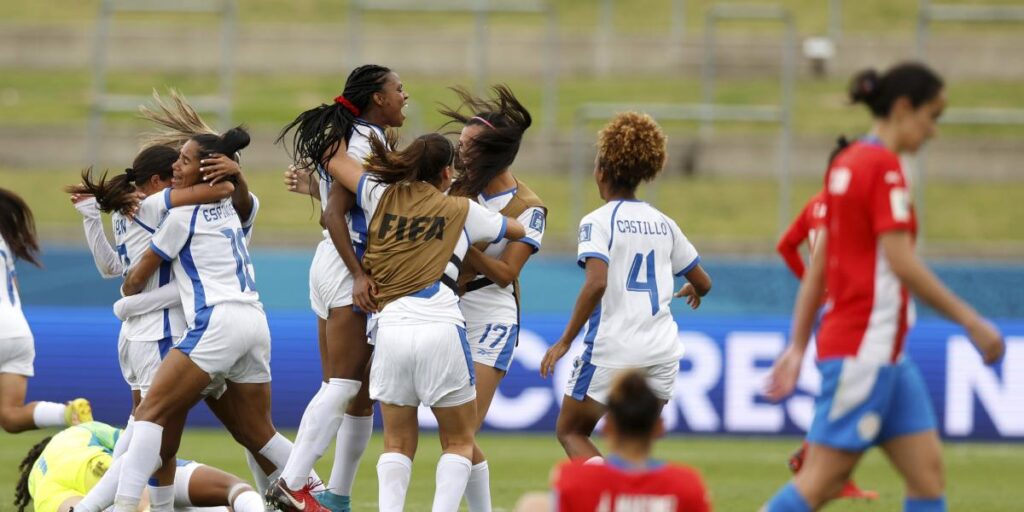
{"type": "Point", "coordinates": [628, 479]}
{"type": "Point", "coordinates": [872, 395]}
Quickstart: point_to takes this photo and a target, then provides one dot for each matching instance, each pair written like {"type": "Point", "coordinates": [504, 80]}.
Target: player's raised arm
{"type": "Point", "coordinates": [340, 201]}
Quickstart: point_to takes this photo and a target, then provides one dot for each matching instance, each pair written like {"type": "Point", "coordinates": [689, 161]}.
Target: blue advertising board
{"type": "Point", "coordinates": [718, 390]}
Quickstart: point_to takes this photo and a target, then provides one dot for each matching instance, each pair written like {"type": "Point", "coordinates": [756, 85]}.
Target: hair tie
{"type": "Point", "coordinates": [484, 121]}
{"type": "Point", "coordinates": [130, 174]}
{"type": "Point", "coordinates": [348, 105]}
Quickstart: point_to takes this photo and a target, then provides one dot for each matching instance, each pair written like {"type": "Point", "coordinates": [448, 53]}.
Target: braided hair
{"type": "Point", "coordinates": [631, 150]}
{"type": "Point", "coordinates": [18, 227]}
{"type": "Point", "coordinates": [504, 120]}
{"type": "Point", "coordinates": [21, 495]}
{"type": "Point", "coordinates": [317, 131]}
{"type": "Point", "coordinates": [117, 193]}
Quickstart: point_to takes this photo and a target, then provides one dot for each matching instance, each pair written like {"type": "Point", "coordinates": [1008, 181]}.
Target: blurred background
{"type": "Point", "coordinates": [752, 96]}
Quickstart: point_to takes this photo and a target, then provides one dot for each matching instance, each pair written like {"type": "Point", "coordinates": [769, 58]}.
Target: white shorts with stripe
{"type": "Point", "coordinates": [596, 381]}
{"type": "Point", "coordinates": [422, 363]}
{"type": "Point", "coordinates": [230, 342]}
{"type": "Point", "coordinates": [17, 355]}
{"type": "Point", "coordinates": [140, 360]}
{"type": "Point", "coordinates": [330, 282]}
{"type": "Point", "coordinates": [493, 344]}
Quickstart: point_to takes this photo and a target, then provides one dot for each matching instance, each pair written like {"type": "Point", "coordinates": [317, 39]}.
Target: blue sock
{"type": "Point", "coordinates": [924, 505]}
{"type": "Point", "coordinates": [334, 502]}
{"type": "Point", "coordinates": [788, 499]}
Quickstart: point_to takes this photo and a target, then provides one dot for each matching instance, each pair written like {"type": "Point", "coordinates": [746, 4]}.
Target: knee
{"type": "Point", "coordinates": [930, 482]}
{"type": "Point", "coordinates": [9, 422]}
{"type": "Point", "coordinates": [565, 433]}
{"type": "Point", "coordinates": [360, 408]}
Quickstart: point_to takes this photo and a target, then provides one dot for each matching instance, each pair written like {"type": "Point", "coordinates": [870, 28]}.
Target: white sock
{"type": "Point", "coordinates": [393, 473]}
{"type": "Point", "coordinates": [318, 428]}
{"type": "Point", "coordinates": [248, 501]}
{"type": "Point", "coordinates": [258, 476]}
{"type": "Point", "coordinates": [102, 494]}
{"type": "Point", "coordinates": [277, 451]}
{"type": "Point", "coordinates": [596, 460]}
{"type": "Point", "coordinates": [478, 489]}
{"type": "Point", "coordinates": [353, 438]}
{"type": "Point", "coordinates": [161, 499]}
{"type": "Point", "coordinates": [140, 461]}
{"type": "Point", "coordinates": [452, 476]}
{"type": "Point", "coordinates": [49, 414]}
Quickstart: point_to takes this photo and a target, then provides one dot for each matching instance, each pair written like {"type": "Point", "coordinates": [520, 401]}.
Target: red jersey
{"type": "Point", "coordinates": [806, 226]}
{"type": "Point", "coordinates": [612, 487]}
{"type": "Point", "coordinates": [869, 309]}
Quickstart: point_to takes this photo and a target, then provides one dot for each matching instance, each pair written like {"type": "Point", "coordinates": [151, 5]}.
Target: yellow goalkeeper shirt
{"type": "Point", "coordinates": [71, 464]}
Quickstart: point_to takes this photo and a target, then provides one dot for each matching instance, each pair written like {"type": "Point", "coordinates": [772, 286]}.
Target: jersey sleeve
{"type": "Point", "coordinates": [108, 263]}
{"type": "Point", "coordinates": [684, 254]}
{"type": "Point", "coordinates": [534, 220]}
{"type": "Point", "coordinates": [890, 199]}
{"type": "Point", "coordinates": [789, 245]}
{"type": "Point", "coordinates": [593, 240]}
{"type": "Point", "coordinates": [368, 194]}
{"type": "Point", "coordinates": [174, 231]}
{"type": "Point", "coordinates": [247, 223]}
{"type": "Point", "coordinates": [483, 224]}
{"type": "Point", "coordinates": [693, 493]}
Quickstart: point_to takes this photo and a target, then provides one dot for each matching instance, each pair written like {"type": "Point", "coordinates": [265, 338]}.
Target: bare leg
{"type": "Point", "coordinates": [576, 422]}
{"type": "Point", "coordinates": [823, 474]}
{"type": "Point", "coordinates": [918, 458]}
{"type": "Point", "coordinates": [15, 414]}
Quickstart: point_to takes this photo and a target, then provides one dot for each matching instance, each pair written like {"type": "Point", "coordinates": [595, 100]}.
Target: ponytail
{"type": "Point", "coordinates": [422, 160]}
{"type": "Point", "coordinates": [18, 227]}
{"type": "Point", "coordinates": [117, 193]}
{"type": "Point", "coordinates": [912, 80]}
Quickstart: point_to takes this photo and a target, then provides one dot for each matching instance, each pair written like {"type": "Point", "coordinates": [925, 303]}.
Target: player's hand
{"type": "Point", "coordinates": [136, 199]}
{"type": "Point", "coordinates": [217, 168]}
{"type": "Point", "coordinates": [692, 299]}
{"type": "Point", "coordinates": [364, 289]}
{"type": "Point", "coordinates": [78, 198]}
{"type": "Point", "coordinates": [987, 339]}
{"type": "Point", "coordinates": [298, 180]}
{"type": "Point", "coordinates": [547, 366]}
{"type": "Point", "coordinates": [785, 372]}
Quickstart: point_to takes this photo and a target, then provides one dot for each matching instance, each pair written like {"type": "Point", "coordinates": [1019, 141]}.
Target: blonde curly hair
{"type": "Point", "coordinates": [631, 149]}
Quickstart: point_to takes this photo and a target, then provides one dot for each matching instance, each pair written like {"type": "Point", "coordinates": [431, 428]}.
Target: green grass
{"type": "Point", "coordinates": [27, 98]}
{"type": "Point", "coordinates": [741, 472]}
{"type": "Point", "coordinates": [721, 209]}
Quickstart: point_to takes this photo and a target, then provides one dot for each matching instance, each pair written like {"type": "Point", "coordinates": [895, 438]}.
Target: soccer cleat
{"type": "Point", "coordinates": [77, 411]}
{"type": "Point", "coordinates": [851, 491]}
{"type": "Point", "coordinates": [334, 502]}
{"type": "Point", "coordinates": [287, 500]}
{"type": "Point", "coordinates": [796, 461]}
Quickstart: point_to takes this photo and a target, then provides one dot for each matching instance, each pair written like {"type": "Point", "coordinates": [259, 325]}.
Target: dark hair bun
{"type": "Point", "coordinates": [234, 140]}
{"type": "Point", "coordinates": [864, 86]}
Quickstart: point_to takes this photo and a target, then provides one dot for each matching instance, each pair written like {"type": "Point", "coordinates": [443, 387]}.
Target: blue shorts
{"type": "Point", "coordinates": [863, 404]}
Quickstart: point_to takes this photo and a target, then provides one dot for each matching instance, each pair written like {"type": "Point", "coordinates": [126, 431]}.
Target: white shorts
{"type": "Point", "coordinates": [422, 363]}
{"type": "Point", "coordinates": [493, 344]}
{"type": "Point", "coordinates": [230, 341]}
{"type": "Point", "coordinates": [17, 355]}
{"type": "Point", "coordinates": [330, 282]}
{"type": "Point", "coordinates": [140, 361]}
{"type": "Point", "coordinates": [596, 381]}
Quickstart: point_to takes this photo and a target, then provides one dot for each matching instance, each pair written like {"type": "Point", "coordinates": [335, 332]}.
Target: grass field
{"type": "Point", "coordinates": [741, 472]}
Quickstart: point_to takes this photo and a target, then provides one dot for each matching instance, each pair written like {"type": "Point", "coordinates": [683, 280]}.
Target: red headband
{"type": "Point", "coordinates": [348, 105]}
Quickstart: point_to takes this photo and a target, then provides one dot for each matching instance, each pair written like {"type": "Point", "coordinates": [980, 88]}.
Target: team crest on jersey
{"type": "Point", "coordinates": [585, 232]}
{"type": "Point", "coordinates": [537, 221]}
{"type": "Point", "coordinates": [899, 203]}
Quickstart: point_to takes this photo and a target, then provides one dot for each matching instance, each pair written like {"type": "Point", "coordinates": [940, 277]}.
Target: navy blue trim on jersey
{"type": "Point", "coordinates": [359, 190]}
{"type": "Point", "coordinates": [10, 282]}
{"type": "Point", "coordinates": [694, 263]}
{"type": "Point", "coordinates": [164, 345]}
{"type": "Point", "coordinates": [163, 255]}
{"type": "Point", "coordinates": [167, 198]}
{"type": "Point", "coordinates": [427, 292]}
{"type": "Point", "coordinates": [164, 279]}
{"type": "Point", "coordinates": [619, 463]}
{"type": "Point", "coordinates": [611, 225]}
{"type": "Point", "coordinates": [192, 337]}
{"type": "Point", "coordinates": [486, 197]}
{"type": "Point", "coordinates": [579, 390]}
{"type": "Point", "coordinates": [505, 357]}
{"type": "Point", "coordinates": [529, 241]}
{"type": "Point", "coordinates": [469, 356]}
{"type": "Point", "coordinates": [504, 228]}
{"type": "Point", "coordinates": [593, 323]}
{"type": "Point", "coordinates": [144, 226]}
{"type": "Point", "coordinates": [363, 122]}
{"type": "Point", "coordinates": [583, 258]}
{"type": "Point", "coordinates": [189, 265]}
{"type": "Point", "coordinates": [872, 140]}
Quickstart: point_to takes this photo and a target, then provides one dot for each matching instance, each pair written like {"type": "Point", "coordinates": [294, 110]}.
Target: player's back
{"type": "Point", "coordinates": [614, 487]}
{"type": "Point", "coordinates": [644, 250]}
{"type": "Point", "coordinates": [869, 308]}
{"type": "Point", "coordinates": [12, 320]}
{"type": "Point", "coordinates": [211, 259]}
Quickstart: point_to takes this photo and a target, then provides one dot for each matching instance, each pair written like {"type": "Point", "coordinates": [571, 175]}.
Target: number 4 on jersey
{"type": "Point", "coordinates": [650, 286]}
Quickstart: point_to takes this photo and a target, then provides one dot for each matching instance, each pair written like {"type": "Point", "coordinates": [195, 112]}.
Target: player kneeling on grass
{"type": "Point", "coordinates": [631, 253]}
{"type": "Point", "coordinates": [59, 470]}
{"type": "Point", "coordinates": [629, 479]}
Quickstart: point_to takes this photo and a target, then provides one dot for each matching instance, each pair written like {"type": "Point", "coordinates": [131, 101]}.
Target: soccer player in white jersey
{"type": "Point", "coordinates": [372, 100]}
{"type": "Point", "coordinates": [17, 347]}
{"type": "Point", "coordinates": [488, 144]}
{"type": "Point", "coordinates": [631, 253]}
{"type": "Point", "coordinates": [418, 238]}
{"type": "Point", "coordinates": [227, 342]}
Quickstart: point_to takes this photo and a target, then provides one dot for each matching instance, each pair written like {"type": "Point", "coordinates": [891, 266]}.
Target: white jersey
{"type": "Point", "coordinates": [492, 303]}
{"type": "Point", "coordinates": [208, 246]}
{"type": "Point", "coordinates": [633, 326]}
{"type": "Point", "coordinates": [358, 149]}
{"type": "Point", "coordinates": [132, 238]}
{"type": "Point", "coordinates": [12, 320]}
{"type": "Point", "coordinates": [437, 303]}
